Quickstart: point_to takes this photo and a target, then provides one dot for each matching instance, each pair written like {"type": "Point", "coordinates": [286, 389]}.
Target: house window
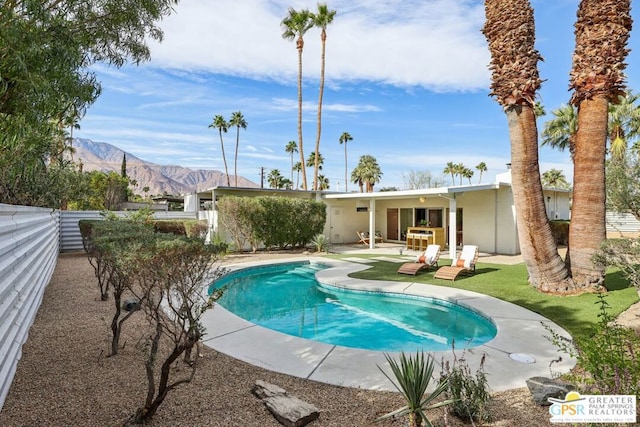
{"type": "Point", "coordinates": [434, 217]}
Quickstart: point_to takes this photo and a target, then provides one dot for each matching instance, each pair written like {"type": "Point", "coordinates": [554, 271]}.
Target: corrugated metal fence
{"type": "Point", "coordinates": [30, 240]}
{"type": "Point", "coordinates": [28, 254]}
{"type": "Point", "coordinates": [622, 225]}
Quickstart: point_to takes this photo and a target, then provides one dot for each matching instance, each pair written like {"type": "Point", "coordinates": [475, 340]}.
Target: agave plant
{"type": "Point", "coordinates": [320, 242]}
{"type": "Point", "coordinates": [413, 375]}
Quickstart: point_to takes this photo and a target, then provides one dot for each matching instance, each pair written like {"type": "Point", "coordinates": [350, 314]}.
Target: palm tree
{"type": "Point", "coordinates": [467, 173]}
{"type": "Point", "coordinates": [560, 132]}
{"type": "Point", "coordinates": [294, 26]}
{"type": "Point", "coordinates": [321, 19]}
{"type": "Point", "coordinates": [366, 173]}
{"type": "Point", "coordinates": [624, 123]}
{"type": "Point", "coordinates": [274, 178]}
{"type": "Point", "coordinates": [602, 30]}
{"type": "Point", "coordinates": [554, 178]}
{"type": "Point", "coordinates": [323, 182]}
{"type": "Point", "coordinates": [344, 138]}
{"type": "Point", "coordinates": [221, 124]}
{"type": "Point", "coordinates": [510, 32]}
{"type": "Point", "coordinates": [291, 148]}
{"type": "Point", "coordinates": [237, 120]}
{"type": "Point", "coordinates": [450, 169]}
{"type": "Point", "coordinates": [460, 169]}
{"type": "Point", "coordinates": [297, 167]}
{"type": "Point", "coordinates": [481, 167]}
{"type": "Point", "coordinates": [311, 160]}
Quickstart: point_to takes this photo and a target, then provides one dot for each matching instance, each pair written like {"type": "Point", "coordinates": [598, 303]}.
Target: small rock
{"type": "Point", "coordinates": [288, 410]}
{"type": "Point", "coordinates": [263, 389]}
{"type": "Point", "coordinates": [291, 411]}
{"type": "Point", "coordinates": [543, 388]}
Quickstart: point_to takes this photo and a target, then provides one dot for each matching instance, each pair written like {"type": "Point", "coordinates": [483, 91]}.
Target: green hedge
{"type": "Point", "coordinates": [273, 221]}
{"type": "Point", "coordinates": [560, 231]}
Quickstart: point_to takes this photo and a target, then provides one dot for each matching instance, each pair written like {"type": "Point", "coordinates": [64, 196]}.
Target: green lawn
{"type": "Point", "coordinates": [577, 314]}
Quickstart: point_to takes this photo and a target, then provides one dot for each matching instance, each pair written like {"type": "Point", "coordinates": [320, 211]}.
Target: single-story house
{"type": "Point", "coordinates": [481, 214]}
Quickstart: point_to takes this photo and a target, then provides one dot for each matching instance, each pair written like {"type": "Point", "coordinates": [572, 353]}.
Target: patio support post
{"type": "Point", "coordinates": [453, 244]}
{"type": "Point", "coordinates": [372, 223]}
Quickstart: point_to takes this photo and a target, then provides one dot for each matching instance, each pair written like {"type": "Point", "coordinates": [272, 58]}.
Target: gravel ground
{"type": "Point", "coordinates": [64, 378]}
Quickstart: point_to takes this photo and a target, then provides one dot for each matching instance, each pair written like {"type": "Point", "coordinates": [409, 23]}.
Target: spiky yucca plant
{"type": "Point", "coordinates": [413, 375]}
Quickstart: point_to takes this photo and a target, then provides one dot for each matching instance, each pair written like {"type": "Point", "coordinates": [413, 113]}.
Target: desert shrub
{"type": "Point", "coordinates": [194, 228]}
{"type": "Point", "coordinates": [608, 361]}
{"type": "Point", "coordinates": [623, 254]}
{"type": "Point", "coordinates": [171, 291]}
{"type": "Point", "coordinates": [469, 392]}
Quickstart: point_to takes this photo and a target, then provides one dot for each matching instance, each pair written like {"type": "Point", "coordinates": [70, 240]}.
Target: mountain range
{"type": "Point", "coordinates": [161, 179]}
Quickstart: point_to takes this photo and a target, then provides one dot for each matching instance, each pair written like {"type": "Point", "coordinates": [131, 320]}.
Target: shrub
{"type": "Point", "coordinates": [608, 361]}
{"type": "Point", "coordinates": [560, 231]}
{"type": "Point", "coordinates": [469, 393]}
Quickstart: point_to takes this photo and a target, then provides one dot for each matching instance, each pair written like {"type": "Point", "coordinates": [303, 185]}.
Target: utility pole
{"type": "Point", "coordinates": [262, 177]}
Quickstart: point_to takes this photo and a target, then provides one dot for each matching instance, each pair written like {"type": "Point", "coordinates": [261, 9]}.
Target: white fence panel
{"type": "Point", "coordinates": [70, 238]}
{"type": "Point", "coordinates": [28, 255]}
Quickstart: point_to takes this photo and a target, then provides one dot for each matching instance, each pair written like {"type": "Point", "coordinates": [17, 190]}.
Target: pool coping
{"type": "Point", "coordinates": [519, 332]}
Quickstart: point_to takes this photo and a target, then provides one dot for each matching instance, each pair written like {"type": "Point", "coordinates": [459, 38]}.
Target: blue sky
{"type": "Point", "coordinates": [407, 79]}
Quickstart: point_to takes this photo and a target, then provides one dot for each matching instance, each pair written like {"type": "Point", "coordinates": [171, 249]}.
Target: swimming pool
{"type": "Point", "coordinates": [288, 298]}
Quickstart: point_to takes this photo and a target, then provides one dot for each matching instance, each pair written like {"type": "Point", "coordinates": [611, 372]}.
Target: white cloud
{"type": "Point", "coordinates": [435, 44]}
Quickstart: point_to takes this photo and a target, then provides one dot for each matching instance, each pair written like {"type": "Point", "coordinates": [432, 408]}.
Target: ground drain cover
{"type": "Point", "coordinates": [522, 358]}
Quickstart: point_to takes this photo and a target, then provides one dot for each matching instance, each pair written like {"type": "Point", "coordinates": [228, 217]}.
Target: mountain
{"type": "Point", "coordinates": [160, 179]}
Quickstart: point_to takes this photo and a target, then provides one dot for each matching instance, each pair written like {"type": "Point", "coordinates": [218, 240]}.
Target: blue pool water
{"type": "Point", "coordinates": [287, 298]}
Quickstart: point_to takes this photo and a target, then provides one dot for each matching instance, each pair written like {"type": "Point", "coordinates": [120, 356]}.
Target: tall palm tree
{"type": "Point", "coordinates": [467, 173]}
{"type": "Point", "coordinates": [297, 167]}
{"type": "Point", "coordinates": [597, 77]}
{"type": "Point", "coordinates": [294, 27]}
{"type": "Point", "coordinates": [237, 120]}
{"type": "Point", "coordinates": [291, 148]}
{"type": "Point", "coordinates": [367, 173]}
{"type": "Point", "coordinates": [554, 178]}
{"type": "Point", "coordinates": [321, 19]}
{"type": "Point", "coordinates": [323, 182]}
{"type": "Point", "coordinates": [221, 124]}
{"type": "Point", "coordinates": [344, 138]}
{"type": "Point", "coordinates": [510, 32]}
{"type": "Point", "coordinates": [311, 160]}
{"type": "Point", "coordinates": [274, 178]}
{"type": "Point", "coordinates": [481, 167]}
{"type": "Point", "coordinates": [460, 169]}
{"type": "Point", "coordinates": [560, 132]}
{"type": "Point", "coordinates": [450, 169]}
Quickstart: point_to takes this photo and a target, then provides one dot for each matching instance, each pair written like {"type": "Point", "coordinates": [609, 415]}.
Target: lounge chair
{"type": "Point", "coordinates": [424, 262]}
{"type": "Point", "coordinates": [465, 263]}
{"type": "Point", "coordinates": [363, 237]}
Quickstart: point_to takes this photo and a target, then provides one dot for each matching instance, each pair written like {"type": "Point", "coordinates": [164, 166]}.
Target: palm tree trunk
{"type": "Point", "coordinates": [588, 229]}
{"type": "Point", "coordinates": [346, 189]}
{"type": "Point", "coordinates": [235, 165]}
{"type": "Point", "coordinates": [322, 60]}
{"type": "Point", "coordinates": [300, 147]}
{"type": "Point", "coordinates": [224, 159]}
{"type": "Point", "coordinates": [546, 269]}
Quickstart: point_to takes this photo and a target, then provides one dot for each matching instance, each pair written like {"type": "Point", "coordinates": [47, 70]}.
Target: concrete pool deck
{"type": "Point", "coordinates": [520, 336]}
